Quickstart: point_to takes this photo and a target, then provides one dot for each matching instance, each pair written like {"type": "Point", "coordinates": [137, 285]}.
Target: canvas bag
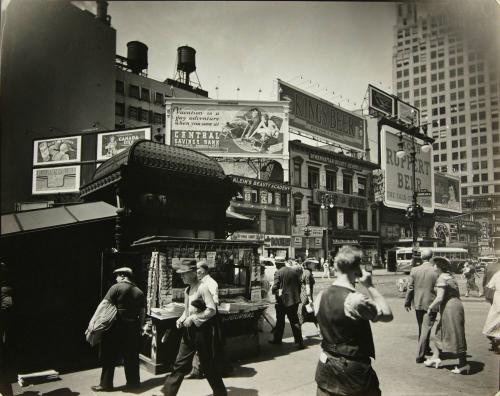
{"type": "Point", "coordinates": [102, 320]}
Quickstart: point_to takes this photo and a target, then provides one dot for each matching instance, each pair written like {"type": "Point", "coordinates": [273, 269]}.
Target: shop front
{"type": "Point", "coordinates": [277, 246]}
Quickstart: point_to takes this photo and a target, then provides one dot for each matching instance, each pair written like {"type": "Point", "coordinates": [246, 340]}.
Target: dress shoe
{"type": "Point", "coordinates": [194, 375]}
{"type": "Point", "coordinates": [274, 342]}
{"type": "Point", "coordinates": [99, 388]}
{"type": "Point", "coordinates": [433, 363]}
{"type": "Point", "coordinates": [132, 386]}
{"type": "Point", "coordinates": [420, 360]}
{"type": "Point", "coordinates": [461, 370]}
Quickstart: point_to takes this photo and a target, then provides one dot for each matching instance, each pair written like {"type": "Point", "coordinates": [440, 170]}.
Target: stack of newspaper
{"type": "Point", "coordinates": [172, 310]}
{"type": "Point", "coordinates": [37, 378]}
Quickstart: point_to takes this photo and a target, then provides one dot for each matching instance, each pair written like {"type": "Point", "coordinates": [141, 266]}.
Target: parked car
{"type": "Point", "coordinates": [484, 261]}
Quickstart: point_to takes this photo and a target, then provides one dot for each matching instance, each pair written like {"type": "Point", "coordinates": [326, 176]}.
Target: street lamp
{"type": "Point", "coordinates": [307, 232]}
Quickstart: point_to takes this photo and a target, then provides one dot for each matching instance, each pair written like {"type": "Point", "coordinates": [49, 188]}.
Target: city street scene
{"type": "Point", "coordinates": [250, 198]}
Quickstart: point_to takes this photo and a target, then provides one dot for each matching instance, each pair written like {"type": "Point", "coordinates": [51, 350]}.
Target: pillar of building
{"type": "Point", "coordinates": [355, 220]}
{"type": "Point", "coordinates": [263, 221]}
{"type": "Point", "coordinates": [369, 224]}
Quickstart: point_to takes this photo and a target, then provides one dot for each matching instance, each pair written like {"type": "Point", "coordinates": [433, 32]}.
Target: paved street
{"type": "Point", "coordinates": [284, 370]}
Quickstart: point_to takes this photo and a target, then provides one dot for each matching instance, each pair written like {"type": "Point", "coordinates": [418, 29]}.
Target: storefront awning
{"type": "Point", "coordinates": [43, 219]}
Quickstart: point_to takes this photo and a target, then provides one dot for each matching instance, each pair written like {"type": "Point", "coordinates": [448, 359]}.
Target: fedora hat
{"type": "Point", "coordinates": [186, 266]}
{"type": "Point", "coordinates": [123, 270]}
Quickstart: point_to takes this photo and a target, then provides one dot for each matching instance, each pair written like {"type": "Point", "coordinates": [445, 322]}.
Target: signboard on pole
{"type": "Point", "coordinates": [407, 113]}
{"type": "Point", "coordinates": [242, 129]}
{"type": "Point", "coordinates": [112, 143]}
{"type": "Point", "coordinates": [322, 118]}
{"type": "Point", "coordinates": [398, 172]}
{"type": "Point", "coordinates": [380, 101]}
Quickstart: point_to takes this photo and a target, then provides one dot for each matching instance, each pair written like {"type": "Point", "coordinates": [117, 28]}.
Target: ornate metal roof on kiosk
{"type": "Point", "coordinates": [151, 155]}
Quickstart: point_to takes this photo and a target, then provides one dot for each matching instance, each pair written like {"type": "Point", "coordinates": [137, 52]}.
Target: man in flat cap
{"type": "Point", "coordinates": [196, 322]}
{"type": "Point", "coordinates": [122, 340]}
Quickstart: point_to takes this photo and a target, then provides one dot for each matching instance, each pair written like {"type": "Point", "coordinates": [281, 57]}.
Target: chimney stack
{"type": "Point", "coordinates": [102, 12]}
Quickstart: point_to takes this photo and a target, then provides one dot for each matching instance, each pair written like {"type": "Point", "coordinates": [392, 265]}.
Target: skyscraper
{"type": "Point", "coordinates": [446, 62]}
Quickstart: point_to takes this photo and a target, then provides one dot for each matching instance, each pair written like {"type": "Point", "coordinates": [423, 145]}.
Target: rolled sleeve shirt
{"type": "Point", "coordinates": [212, 286]}
{"type": "Point", "coordinates": [200, 291]}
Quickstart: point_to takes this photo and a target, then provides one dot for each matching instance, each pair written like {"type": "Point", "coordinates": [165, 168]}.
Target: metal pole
{"type": "Point", "coordinates": [413, 155]}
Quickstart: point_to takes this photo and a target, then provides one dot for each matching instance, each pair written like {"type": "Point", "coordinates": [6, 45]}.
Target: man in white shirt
{"type": "Point", "coordinates": [197, 325]}
{"type": "Point", "coordinates": [207, 280]}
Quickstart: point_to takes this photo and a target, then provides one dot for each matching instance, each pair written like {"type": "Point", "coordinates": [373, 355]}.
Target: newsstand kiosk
{"type": "Point", "coordinates": [171, 206]}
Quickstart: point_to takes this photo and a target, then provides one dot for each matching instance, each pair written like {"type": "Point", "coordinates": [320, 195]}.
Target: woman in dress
{"type": "Point", "coordinates": [491, 327]}
{"type": "Point", "coordinates": [450, 331]}
{"type": "Point", "coordinates": [469, 273]}
{"type": "Point", "coordinates": [305, 310]}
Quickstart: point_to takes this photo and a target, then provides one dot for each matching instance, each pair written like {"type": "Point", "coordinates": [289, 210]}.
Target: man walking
{"type": "Point", "coordinates": [196, 322]}
{"type": "Point", "coordinates": [326, 268]}
{"type": "Point", "coordinates": [286, 288]}
{"type": "Point", "coordinates": [122, 340]}
{"type": "Point", "coordinates": [420, 293]}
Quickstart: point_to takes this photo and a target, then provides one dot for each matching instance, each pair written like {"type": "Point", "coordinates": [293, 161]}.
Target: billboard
{"type": "Point", "coordinates": [447, 193]}
{"type": "Point", "coordinates": [322, 118]}
{"type": "Point", "coordinates": [112, 143]}
{"type": "Point", "coordinates": [56, 180]}
{"type": "Point", "coordinates": [398, 172]}
{"type": "Point", "coordinates": [380, 101]}
{"type": "Point", "coordinates": [407, 113]}
{"type": "Point", "coordinates": [61, 150]}
{"type": "Point", "coordinates": [229, 129]}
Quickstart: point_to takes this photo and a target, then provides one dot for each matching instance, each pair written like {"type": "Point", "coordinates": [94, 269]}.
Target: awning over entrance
{"type": "Point", "coordinates": [42, 219]}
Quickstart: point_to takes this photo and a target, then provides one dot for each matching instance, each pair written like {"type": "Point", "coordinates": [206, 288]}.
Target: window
{"type": "Point", "coordinates": [348, 218]}
{"type": "Point", "coordinates": [463, 179]}
{"type": "Point", "coordinates": [473, 141]}
{"type": "Point", "coordinates": [331, 180]}
{"type": "Point", "coordinates": [361, 187]}
{"type": "Point", "coordinates": [313, 213]}
{"type": "Point", "coordinates": [145, 95]}
{"type": "Point", "coordinates": [133, 113]}
{"type": "Point", "coordinates": [347, 179]}
{"type": "Point", "coordinates": [254, 196]}
{"type": "Point", "coordinates": [362, 220]}
{"type": "Point", "coordinates": [484, 177]}
{"type": "Point", "coordinates": [120, 87]}
{"type": "Point", "coordinates": [297, 208]}
{"type": "Point", "coordinates": [484, 189]}
{"type": "Point", "coordinates": [475, 190]}
{"type": "Point", "coordinates": [144, 115]}
{"type": "Point", "coordinates": [120, 109]}
{"type": "Point", "coordinates": [443, 157]}
{"type": "Point", "coordinates": [312, 177]}
{"type": "Point", "coordinates": [475, 178]}
{"type": "Point", "coordinates": [297, 169]}
{"type": "Point", "coordinates": [464, 191]}
{"type": "Point", "coordinates": [159, 98]}
{"type": "Point", "coordinates": [133, 91]}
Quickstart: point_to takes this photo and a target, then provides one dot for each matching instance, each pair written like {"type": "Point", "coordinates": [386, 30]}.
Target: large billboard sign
{"type": "Point", "coordinates": [229, 129]}
{"type": "Point", "coordinates": [381, 102]}
{"type": "Point", "coordinates": [56, 180]}
{"type": "Point", "coordinates": [112, 143]}
{"type": "Point", "coordinates": [407, 113]}
{"type": "Point", "coordinates": [322, 118]}
{"type": "Point", "coordinates": [398, 172]}
{"type": "Point", "coordinates": [447, 193]}
{"type": "Point", "coordinates": [62, 150]}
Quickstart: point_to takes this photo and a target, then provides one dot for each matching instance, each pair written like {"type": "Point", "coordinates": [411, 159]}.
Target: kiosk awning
{"type": "Point", "coordinates": [42, 219]}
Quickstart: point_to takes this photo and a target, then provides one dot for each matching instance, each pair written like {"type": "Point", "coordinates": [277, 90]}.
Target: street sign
{"type": "Point", "coordinates": [424, 193]}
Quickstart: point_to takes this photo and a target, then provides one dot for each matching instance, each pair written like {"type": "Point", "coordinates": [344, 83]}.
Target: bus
{"type": "Point", "coordinates": [457, 257]}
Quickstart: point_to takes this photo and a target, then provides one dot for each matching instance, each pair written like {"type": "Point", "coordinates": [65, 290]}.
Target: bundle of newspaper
{"type": "Point", "coordinates": [37, 378]}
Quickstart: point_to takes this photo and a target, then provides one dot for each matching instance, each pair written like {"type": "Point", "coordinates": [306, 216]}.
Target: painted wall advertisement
{"type": "Point", "coordinates": [398, 172]}
{"type": "Point", "coordinates": [57, 151]}
{"type": "Point", "coordinates": [246, 129]}
{"type": "Point", "coordinates": [56, 180]}
{"type": "Point", "coordinates": [112, 143]}
{"type": "Point", "coordinates": [322, 118]}
{"type": "Point", "coordinates": [447, 193]}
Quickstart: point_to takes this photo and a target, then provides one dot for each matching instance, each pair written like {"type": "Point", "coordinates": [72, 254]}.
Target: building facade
{"type": "Point", "coordinates": [446, 64]}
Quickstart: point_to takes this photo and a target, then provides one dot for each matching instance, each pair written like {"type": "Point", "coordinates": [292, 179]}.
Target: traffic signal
{"type": "Point", "coordinates": [307, 231]}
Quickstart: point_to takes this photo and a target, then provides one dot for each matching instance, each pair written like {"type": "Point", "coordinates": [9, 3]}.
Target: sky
{"type": "Point", "coordinates": [331, 49]}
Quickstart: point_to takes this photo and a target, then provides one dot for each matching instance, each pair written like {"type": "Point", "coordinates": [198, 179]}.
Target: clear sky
{"type": "Point", "coordinates": [332, 49]}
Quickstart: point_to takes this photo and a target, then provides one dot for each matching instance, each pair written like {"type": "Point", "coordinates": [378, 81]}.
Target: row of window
{"type": "Point", "coordinates": [141, 93]}
{"type": "Point", "coordinates": [139, 114]}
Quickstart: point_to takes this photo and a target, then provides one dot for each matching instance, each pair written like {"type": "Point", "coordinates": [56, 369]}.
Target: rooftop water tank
{"type": "Point", "coordinates": [186, 59]}
{"type": "Point", "coordinates": [137, 56]}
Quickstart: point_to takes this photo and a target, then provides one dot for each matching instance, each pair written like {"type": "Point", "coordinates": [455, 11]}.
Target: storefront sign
{"type": "Point", "coordinates": [255, 129]}
{"type": "Point", "coordinates": [61, 150]}
{"type": "Point", "coordinates": [323, 118]}
{"type": "Point", "coordinates": [271, 186]}
{"type": "Point", "coordinates": [380, 101]}
{"type": "Point", "coordinates": [313, 231]}
{"type": "Point", "coordinates": [340, 200]}
{"type": "Point", "coordinates": [56, 180]}
{"type": "Point", "coordinates": [447, 192]}
{"type": "Point", "coordinates": [112, 143]}
{"type": "Point", "coordinates": [337, 242]}
{"type": "Point", "coordinates": [398, 172]}
{"type": "Point", "coordinates": [277, 241]}
{"type": "Point", "coordinates": [335, 160]}
{"type": "Point", "coordinates": [245, 236]}
{"type": "Point", "coordinates": [302, 220]}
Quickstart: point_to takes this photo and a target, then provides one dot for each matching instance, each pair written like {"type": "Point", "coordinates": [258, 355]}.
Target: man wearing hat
{"type": "Point", "coordinates": [196, 322]}
{"type": "Point", "coordinates": [122, 340]}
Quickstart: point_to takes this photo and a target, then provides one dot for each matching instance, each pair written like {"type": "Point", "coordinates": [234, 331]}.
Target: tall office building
{"type": "Point", "coordinates": [446, 63]}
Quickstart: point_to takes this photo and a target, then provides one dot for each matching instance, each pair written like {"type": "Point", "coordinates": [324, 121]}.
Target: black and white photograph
{"type": "Point", "coordinates": [250, 198]}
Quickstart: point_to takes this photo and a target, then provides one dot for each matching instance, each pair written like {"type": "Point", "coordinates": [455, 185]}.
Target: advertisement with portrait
{"type": "Point", "coordinates": [56, 180]}
{"type": "Point", "coordinates": [229, 129]}
{"type": "Point", "coordinates": [112, 143]}
{"type": "Point", "coordinates": [398, 181]}
{"type": "Point", "coordinates": [322, 118]}
{"type": "Point", "coordinates": [447, 192]}
{"type": "Point", "coordinates": [61, 150]}
{"type": "Point", "coordinates": [380, 101]}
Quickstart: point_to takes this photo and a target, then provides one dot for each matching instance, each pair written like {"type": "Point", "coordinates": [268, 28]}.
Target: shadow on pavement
{"type": "Point", "coordinates": [475, 367]}
{"type": "Point", "coordinates": [145, 385]}
{"type": "Point", "coordinates": [55, 392]}
{"type": "Point", "coordinates": [232, 390]}
{"type": "Point", "coordinates": [242, 372]}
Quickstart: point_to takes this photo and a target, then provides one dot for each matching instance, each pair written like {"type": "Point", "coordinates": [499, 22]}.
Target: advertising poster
{"type": "Point", "coordinates": [61, 150]}
{"type": "Point", "coordinates": [56, 180]}
{"type": "Point", "coordinates": [398, 172]}
{"type": "Point", "coordinates": [112, 143]}
{"type": "Point", "coordinates": [381, 101]}
{"type": "Point", "coordinates": [229, 129]}
{"type": "Point", "coordinates": [408, 113]}
{"type": "Point", "coordinates": [320, 117]}
{"type": "Point", "coordinates": [447, 193]}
